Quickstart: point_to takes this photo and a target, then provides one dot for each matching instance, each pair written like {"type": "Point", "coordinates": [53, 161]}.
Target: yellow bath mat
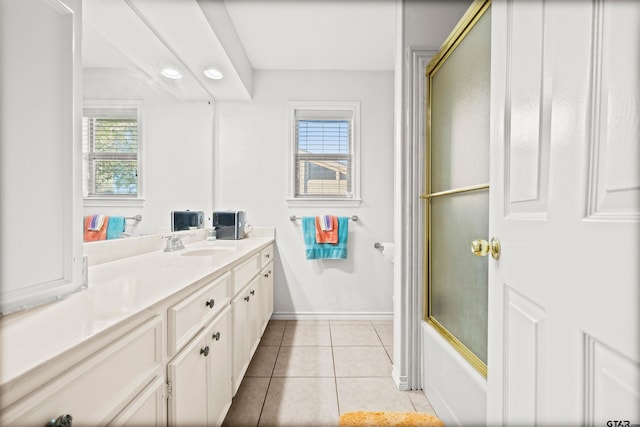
{"type": "Point", "coordinates": [388, 419]}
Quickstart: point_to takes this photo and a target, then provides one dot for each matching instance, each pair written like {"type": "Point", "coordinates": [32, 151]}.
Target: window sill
{"type": "Point", "coordinates": [111, 202]}
{"type": "Point", "coordinates": [329, 202]}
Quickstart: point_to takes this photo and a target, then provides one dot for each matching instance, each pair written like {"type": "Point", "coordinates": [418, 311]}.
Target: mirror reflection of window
{"type": "Point", "coordinates": [110, 148]}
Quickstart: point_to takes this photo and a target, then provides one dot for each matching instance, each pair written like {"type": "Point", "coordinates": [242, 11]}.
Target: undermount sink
{"type": "Point", "coordinates": [205, 252]}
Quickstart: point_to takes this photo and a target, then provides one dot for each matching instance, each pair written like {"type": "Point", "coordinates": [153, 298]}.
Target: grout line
{"type": "Point", "coordinates": [264, 401]}
{"type": "Point", "coordinates": [335, 379]}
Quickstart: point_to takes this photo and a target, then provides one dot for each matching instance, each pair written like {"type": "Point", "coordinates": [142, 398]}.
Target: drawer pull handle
{"type": "Point", "coordinates": [62, 421]}
{"type": "Point", "coordinates": [246, 298]}
{"type": "Point", "coordinates": [216, 336]}
{"type": "Point", "coordinates": [205, 351]}
{"type": "Point", "coordinates": [253, 292]}
{"type": "Point", "coordinates": [266, 275]}
{"type": "Point", "coordinates": [210, 303]}
{"type": "Point", "coordinates": [268, 255]}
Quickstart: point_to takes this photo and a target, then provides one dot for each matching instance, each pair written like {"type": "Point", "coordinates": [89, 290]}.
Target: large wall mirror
{"type": "Point", "coordinates": [147, 137]}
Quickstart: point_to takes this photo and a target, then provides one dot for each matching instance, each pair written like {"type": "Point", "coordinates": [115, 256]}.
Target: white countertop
{"type": "Point", "coordinates": [117, 291]}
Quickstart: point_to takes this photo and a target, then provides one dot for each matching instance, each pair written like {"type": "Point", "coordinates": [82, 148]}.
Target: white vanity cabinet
{"type": "Point", "coordinates": [177, 360]}
{"type": "Point", "coordinates": [199, 376]}
{"type": "Point", "coordinates": [113, 383]}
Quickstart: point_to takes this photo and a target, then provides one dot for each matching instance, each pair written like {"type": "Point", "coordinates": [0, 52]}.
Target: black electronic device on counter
{"type": "Point", "coordinates": [229, 225]}
{"type": "Point", "coordinates": [186, 220]}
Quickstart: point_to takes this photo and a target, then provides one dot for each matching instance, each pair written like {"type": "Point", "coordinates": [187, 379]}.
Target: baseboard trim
{"type": "Point", "coordinates": [283, 315]}
{"type": "Point", "coordinates": [401, 381]}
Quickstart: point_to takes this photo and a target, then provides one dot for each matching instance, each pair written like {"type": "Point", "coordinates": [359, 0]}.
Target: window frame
{"type": "Point", "coordinates": [118, 200]}
{"type": "Point", "coordinates": [343, 110]}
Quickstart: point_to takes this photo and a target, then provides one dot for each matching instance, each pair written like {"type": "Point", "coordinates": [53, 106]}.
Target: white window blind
{"type": "Point", "coordinates": [323, 154]}
{"type": "Point", "coordinates": [110, 145]}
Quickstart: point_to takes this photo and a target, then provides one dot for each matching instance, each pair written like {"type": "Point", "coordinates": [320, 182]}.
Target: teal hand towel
{"type": "Point", "coordinates": [115, 227]}
{"type": "Point", "coordinates": [315, 250]}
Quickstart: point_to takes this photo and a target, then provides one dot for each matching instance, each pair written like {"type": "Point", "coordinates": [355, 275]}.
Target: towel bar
{"type": "Point", "coordinates": [136, 218]}
{"type": "Point", "coordinates": [293, 218]}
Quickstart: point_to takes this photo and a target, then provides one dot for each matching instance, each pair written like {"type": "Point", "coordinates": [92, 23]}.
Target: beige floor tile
{"type": "Point", "coordinates": [272, 335]}
{"type": "Point", "coordinates": [350, 322]}
{"type": "Point", "coordinates": [262, 362]}
{"type": "Point", "coordinates": [361, 362]}
{"type": "Point", "coordinates": [307, 335]}
{"type": "Point", "coordinates": [302, 361]}
{"type": "Point", "coordinates": [300, 402]}
{"type": "Point", "coordinates": [385, 332]}
{"type": "Point", "coordinates": [247, 403]}
{"type": "Point", "coordinates": [307, 322]}
{"type": "Point", "coordinates": [350, 335]}
{"type": "Point", "coordinates": [382, 322]}
{"type": "Point", "coordinates": [420, 401]}
{"type": "Point", "coordinates": [371, 394]}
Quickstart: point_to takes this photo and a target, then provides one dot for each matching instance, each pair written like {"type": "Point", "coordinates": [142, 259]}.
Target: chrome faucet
{"type": "Point", "coordinates": [174, 242]}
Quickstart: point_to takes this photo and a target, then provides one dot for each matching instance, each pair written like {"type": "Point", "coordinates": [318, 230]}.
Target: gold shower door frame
{"type": "Point", "coordinates": [467, 23]}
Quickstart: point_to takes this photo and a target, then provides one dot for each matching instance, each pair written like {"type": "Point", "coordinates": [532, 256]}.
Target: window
{"type": "Point", "coordinates": [111, 152]}
{"type": "Point", "coordinates": [324, 152]}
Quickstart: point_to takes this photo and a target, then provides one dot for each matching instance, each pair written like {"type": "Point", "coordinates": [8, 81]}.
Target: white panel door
{"type": "Point", "coordinates": [564, 294]}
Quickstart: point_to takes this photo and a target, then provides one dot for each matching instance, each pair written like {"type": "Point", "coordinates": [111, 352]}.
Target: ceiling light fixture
{"type": "Point", "coordinates": [171, 73]}
{"type": "Point", "coordinates": [213, 74]}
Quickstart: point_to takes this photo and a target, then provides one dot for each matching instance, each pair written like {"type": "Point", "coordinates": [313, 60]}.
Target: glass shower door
{"type": "Point", "coordinates": [458, 190]}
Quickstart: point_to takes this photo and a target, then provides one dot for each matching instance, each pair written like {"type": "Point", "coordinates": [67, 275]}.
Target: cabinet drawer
{"type": "Point", "coordinates": [96, 389]}
{"type": "Point", "coordinates": [188, 316]}
{"type": "Point", "coordinates": [266, 256]}
{"type": "Point", "coordinates": [243, 273]}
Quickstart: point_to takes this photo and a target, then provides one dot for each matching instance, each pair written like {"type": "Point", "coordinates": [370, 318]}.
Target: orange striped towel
{"type": "Point", "coordinates": [90, 235]}
{"type": "Point", "coordinates": [329, 236]}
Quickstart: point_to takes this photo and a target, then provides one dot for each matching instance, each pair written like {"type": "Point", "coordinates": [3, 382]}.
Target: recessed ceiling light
{"type": "Point", "coordinates": [171, 73]}
{"type": "Point", "coordinates": [212, 73]}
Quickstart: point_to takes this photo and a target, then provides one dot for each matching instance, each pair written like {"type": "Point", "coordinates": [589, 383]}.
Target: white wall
{"type": "Point", "coordinates": [177, 144]}
{"type": "Point", "coordinates": [251, 173]}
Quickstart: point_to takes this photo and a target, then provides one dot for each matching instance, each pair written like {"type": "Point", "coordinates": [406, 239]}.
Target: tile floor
{"type": "Point", "coordinates": [307, 373]}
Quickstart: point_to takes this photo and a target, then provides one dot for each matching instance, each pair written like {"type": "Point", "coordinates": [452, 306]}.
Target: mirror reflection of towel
{"type": "Point", "coordinates": [115, 227]}
{"type": "Point", "coordinates": [97, 221]}
{"type": "Point", "coordinates": [93, 235]}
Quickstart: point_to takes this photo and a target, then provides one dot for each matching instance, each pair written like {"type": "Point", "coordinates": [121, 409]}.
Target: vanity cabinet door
{"type": "Point", "coordinates": [266, 295]}
{"type": "Point", "coordinates": [187, 374]}
{"type": "Point", "coordinates": [239, 310]}
{"type": "Point", "coordinates": [254, 318]}
{"type": "Point", "coordinates": [147, 409]}
{"type": "Point", "coordinates": [220, 368]}
{"type": "Point", "coordinates": [246, 328]}
{"type": "Point", "coordinates": [100, 387]}
{"type": "Point", "coordinates": [200, 377]}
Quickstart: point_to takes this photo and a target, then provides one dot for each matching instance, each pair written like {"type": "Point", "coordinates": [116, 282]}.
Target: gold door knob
{"type": "Point", "coordinates": [482, 247]}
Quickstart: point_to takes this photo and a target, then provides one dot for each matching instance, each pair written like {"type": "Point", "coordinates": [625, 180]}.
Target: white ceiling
{"type": "Point", "coordinates": [316, 35]}
{"type": "Point", "coordinates": [237, 37]}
